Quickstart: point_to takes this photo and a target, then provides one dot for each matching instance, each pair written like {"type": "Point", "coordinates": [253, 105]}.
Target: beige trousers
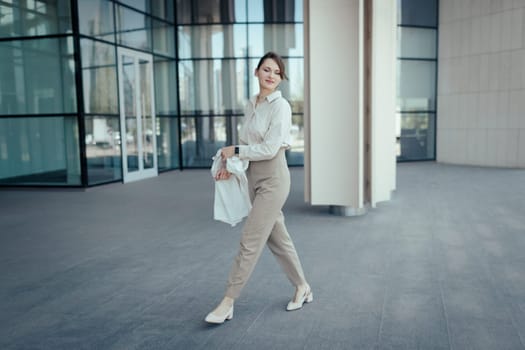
{"type": "Point", "coordinates": [269, 183]}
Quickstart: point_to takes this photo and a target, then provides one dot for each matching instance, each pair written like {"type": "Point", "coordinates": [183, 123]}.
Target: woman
{"type": "Point", "coordinates": [263, 139]}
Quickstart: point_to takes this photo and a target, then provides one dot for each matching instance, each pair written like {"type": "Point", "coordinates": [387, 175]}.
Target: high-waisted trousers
{"type": "Point", "coordinates": [269, 185]}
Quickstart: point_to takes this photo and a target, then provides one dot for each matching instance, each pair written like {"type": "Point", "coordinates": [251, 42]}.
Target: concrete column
{"type": "Point", "coordinates": [349, 103]}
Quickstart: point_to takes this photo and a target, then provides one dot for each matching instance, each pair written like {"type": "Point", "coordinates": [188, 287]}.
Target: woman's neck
{"type": "Point", "coordinates": [263, 94]}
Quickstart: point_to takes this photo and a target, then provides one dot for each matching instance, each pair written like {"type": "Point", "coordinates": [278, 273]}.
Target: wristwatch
{"type": "Point", "coordinates": [236, 150]}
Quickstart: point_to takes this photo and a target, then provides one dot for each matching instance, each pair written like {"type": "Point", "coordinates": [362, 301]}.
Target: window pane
{"type": "Point", "coordinates": [141, 5]}
{"type": "Point", "coordinates": [165, 86]}
{"type": "Point", "coordinates": [205, 11]}
{"type": "Point", "coordinates": [292, 89]}
{"type": "Point", "coordinates": [163, 9]}
{"type": "Point", "coordinates": [42, 150]}
{"type": "Point", "coordinates": [212, 86]}
{"type": "Point", "coordinates": [416, 136]}
{"type": "Point", "coordinates": [99, 74]}
{"type": "Point", "coordinates": [418, 12]}
{"type": "Point", "coordinates": [134, 29]}
{"type": "Point", "coordinates": [103, 149]}
{"type": "Point", "coordinates": [167, 143]}
{"type": "Point", "coordinates": [416, 85]}
{"type": "Point", "coordinates": [285, 39]}
{"type": "Point", "coordinates": [26, 87]}
{"type": "Point", "coordinates": [212, 41]}
{"type": "Point", "coordinates": [38, 17]}
{"type": "Point", "coordinates": [417, 42]}
{"type": "Point", "coordinates": [275, 11]}
{"type": "Point", "coordinates": [96, 19]}
{"type": "Point", "coordinates": [201, 138]}
{"type": "Point", "coordinates": [295, 155]}
{"type": "Point", "coordinates": [163, 38]}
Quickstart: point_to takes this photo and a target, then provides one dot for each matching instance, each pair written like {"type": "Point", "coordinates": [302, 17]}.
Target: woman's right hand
{"type": "Point", "coordinates": [222, 174]}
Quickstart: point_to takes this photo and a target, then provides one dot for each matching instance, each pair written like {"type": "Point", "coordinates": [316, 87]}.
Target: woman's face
{"type": "Point", "coordinates": [268, 75]}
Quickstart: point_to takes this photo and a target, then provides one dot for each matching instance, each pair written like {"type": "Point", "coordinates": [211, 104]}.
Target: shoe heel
{"type": "Point", "coordinates": [230, 316]}
{"type": "Point", "coordinates": [309, 297]}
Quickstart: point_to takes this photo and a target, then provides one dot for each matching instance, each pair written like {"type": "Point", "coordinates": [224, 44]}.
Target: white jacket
{"type": "Point", "coordinates": [232, 200]}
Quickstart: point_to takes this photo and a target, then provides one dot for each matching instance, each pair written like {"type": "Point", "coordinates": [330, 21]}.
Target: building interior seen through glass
{"type": "Point", "coordinates": [97, 91]}
{"type": "Point", "coordinates": [416, 79]}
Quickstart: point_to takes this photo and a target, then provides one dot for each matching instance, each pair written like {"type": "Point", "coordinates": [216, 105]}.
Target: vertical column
{"type": "Point", "coordinates": [334, 115]}
{"type": "Point", "coordinates": [80, 93]}
{"type": "Point", "coordinates": [382, 144]}
{"type": "Point", "coordinates": [349, 132]}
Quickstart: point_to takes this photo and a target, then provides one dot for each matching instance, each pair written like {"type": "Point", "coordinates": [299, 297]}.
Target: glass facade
{"type": "Point", "coordinates": [219, 45]}
{"type": "Point", "coordinates": [417, 79]}
{"type": "Point", "coordinates": [41, 150]}
{"type": "Point", "coordinates": [60, 97]}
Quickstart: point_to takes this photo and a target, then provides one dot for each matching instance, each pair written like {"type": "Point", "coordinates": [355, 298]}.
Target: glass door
{"type": "Point", "coordinates": [137, 115]}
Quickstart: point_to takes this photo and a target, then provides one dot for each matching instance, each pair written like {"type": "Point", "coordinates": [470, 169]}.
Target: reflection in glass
{"type": "Point", "coordinates": [41, 150]}
{"type": "Point", "coordinates": [158, 8]}
{"type": "Point", "coordinates": [292, 89]}
{"type": "Point", "coordinates": [99, 75]}
{"type": "Point", "coordinates": [37, 17]}
{"type": "Point", "coordinates": [165, 86]}
{"type": "Point", "coordinates": [27, 88]}
{"type": "Point", "coordinates": [103, 151]}
{"type": "Point", "coordinates": [134, 29]}
{"type": "Point", "coordinates": [416, 85]}
{"type": "Point", "coordinates": [212, 86]}
{"type": "Point", "coordinates": [130, 112]}
{"type": "Point", "coordinates": [148, 134]}
{"type": "Point", "coordinates": [141, 5]}
{"type": "Point", "coordinates": [417, 42]}
{"type": "Point", "coordinates": [201, 138]}
{"type": "Point", "coordinates": [167, 143]}
{"type": "Point", "coordinates": [418, 12]}
{"type": "Point", "coordinates": [212, 41]}
{"type": "Point", "coordinates": [205, 11]}
{"type": "Point", "coordinates": [285, 39]}
{"type": "Point", "coordinates": [96, 19]}
{"type": "Point", "coordinates": [295, 155]}
{"type": "Point", "coordinates": [270, 11]}
{"type": "Point", "coordinates": [217, 60]}
{"type": "Point", "coordinates": [415, 135]}
{"type": "Point", "coordinates": [164, 9]}
{"type": "Point", "coordinates": [163, 38]}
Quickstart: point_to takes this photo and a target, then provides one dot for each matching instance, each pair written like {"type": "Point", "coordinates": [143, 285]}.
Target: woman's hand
{"type": "Point", "coordinates": [227, 152]}
{"type": "Point", "coordinates": [222, 174]}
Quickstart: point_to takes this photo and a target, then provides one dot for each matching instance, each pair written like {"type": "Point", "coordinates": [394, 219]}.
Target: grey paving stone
{"type": "Point", "coordinates": [138, 266]}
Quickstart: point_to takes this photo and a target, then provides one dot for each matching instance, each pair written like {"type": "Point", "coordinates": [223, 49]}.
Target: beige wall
{"type": "Point", "coordinates": [481, 83]}
{"type": "Point", "coordinates": [336, 160]}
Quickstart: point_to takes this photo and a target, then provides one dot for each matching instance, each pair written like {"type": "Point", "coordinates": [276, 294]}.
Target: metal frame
{"type": "Point", "coordinates": [400, 58]}
{"type": "Point", "coordinates": [141, 173]}
{"type": "Point", "coordinates": [80, 113]}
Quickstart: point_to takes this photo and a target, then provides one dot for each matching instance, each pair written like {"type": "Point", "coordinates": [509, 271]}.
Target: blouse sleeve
{"type": "Point", "coordinates": [275, 137]}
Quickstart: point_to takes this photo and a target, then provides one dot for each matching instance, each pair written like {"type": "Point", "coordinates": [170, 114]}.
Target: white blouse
{"type": "Point", "coordinates": [266, 128]}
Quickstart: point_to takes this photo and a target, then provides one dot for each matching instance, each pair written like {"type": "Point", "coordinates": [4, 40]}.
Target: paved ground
{"type": "Point", "coordinates": [138, 266]}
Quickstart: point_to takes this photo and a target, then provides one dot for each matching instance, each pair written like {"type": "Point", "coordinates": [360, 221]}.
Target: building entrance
{"type": "Point", "coordinates": [137, 115]}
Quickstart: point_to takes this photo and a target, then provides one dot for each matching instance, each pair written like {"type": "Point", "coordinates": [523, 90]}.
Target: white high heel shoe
{"type": "Point", "coordinates": [307, 297]}
{"type": "Point", "coordinates": [219, 319]}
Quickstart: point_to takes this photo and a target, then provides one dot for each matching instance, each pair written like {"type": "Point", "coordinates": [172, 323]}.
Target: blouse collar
{"type": "Point", "coordinates": [270, 98]}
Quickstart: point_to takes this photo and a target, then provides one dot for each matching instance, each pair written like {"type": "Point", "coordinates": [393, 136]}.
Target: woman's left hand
{"type": "Point", "coordinates": [222, 174]}
{"type": "Point", "coordinates": [227, 152]}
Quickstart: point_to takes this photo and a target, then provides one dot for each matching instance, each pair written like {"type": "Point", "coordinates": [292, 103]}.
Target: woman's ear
{"type": "Point", "coordinates": [255, 72]}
